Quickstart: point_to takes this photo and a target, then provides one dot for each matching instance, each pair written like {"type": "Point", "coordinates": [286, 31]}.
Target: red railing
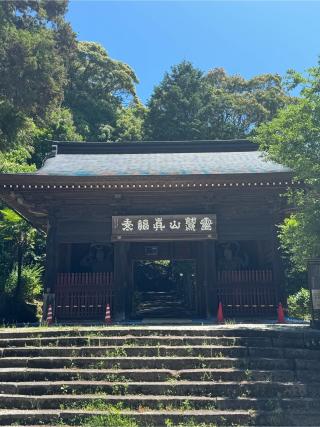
{"type": "Point", "coordinates": [248, 276]}
{"type": "Point", "coordinates": [83, 295]}
{"type": "Point", "coordinates": [247, 291]}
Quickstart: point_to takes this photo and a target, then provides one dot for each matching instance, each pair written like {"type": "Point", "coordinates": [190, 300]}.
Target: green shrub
{"type": "Point", "coordinates": [299, 304]}
{"type": "Point", "coordinates": [13, 310]}
{"type": "Point", "coordinates": [31, 282]}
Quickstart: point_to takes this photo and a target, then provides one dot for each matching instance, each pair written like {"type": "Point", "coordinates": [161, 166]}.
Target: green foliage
{"type": "Point", "coordinates": [14, 228]}
{"type": "Point", "coordinates": [299, 304]}
{"type": "Point", "coordinates": [130, 123]}
{"type": "Point", "coordinates": [35, 46]}
{"type": "Point", "coordinates": [16, 160]}
{"type": "Point", "coordinates": [298, 239]}
{"type": "Point", "coordinates": [175, 104]}
{"type": "Point", "coordinates": [293, 139]}
{"type": "Point", "coordinates": [189, 104]}
{"type": "Point", "coordinates": [15, 310]}
{"type": "Point", "coordinates": [52, 87]}
{"type": "Point", "coordinates": [31, 13]}
{"type": "Point", "coordinates": [58, 126]}
{"type": "Point", "coordinates": [31, 282]}
{"type": "Point", "coordinates": [21, 238]}
{"type": "Point", "coordinates": [32, 71]}
{"type": "Point", "coordinates": [113, 419]}
{"type": "Point", "coordinates": [98, 86]}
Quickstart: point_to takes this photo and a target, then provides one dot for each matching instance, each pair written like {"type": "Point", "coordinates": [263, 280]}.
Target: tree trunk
{"type": "Point", "coordinates": [19, 272]}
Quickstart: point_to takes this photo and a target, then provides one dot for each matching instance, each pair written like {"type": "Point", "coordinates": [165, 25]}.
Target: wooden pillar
{"type": "Point", "coordinates": [199, 279]}
{"type": "Point", "coordinates": [203, 278]}
{"type": "Point", "coordinates": [120, 280]}
{"type": "Point", "coordinates": [211, 273]}
{"type": "Point", "coordinates": [278, 270]}
{"type": "Point", "coordinates": [51, 255]}
{"type": "Point", "coordinates": [50, 276]}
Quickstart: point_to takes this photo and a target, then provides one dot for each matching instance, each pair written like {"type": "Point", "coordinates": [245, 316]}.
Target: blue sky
{"type": "Point", "coordinates": [244, 37]}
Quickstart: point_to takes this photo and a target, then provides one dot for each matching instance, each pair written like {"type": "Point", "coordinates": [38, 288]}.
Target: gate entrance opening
{"type": "Point", "coordinates": [164, 288]}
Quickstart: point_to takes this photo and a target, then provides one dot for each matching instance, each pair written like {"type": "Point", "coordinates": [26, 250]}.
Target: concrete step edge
{"type": "Point", "coordinates": [94, 347]}
{"type": "Point", "coordinates": [124, 412]}
{"type": "Point", "coordinates": [155, 397]}
{"type": "Point", "coordinates": [140, 370]}
{"type": "Point", "coordinates": [156, 383]}
{"type": "Point", "coordinates": [128, 412]}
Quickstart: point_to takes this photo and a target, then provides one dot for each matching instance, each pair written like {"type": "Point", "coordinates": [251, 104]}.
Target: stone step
{"type": "Point", "coordinates": [155, 402]}
{"type": "Point", "coordinates": [133, 418]}
{"type": "Point", "coordinates": [298, 336]}
{"type": "Point", "coordinates": [156, 362]}
{"type": "Point", "coordinates": [158, 418]}
{"type": "Point", "coordinates": [31, 374]}
{"type": "Point", "coordinates": [97, 340]}
{"type": "Point", "coordinates": [197, 388]}
{"type": "Point", "coordinates": [145, 330]}
{"type": "Point", "coordinates": [294, 334]}
{"type": "Point", "coordinates": [162, 350]}
{"type": "Point", "coordinates": [93, 339]}
{"type": "Point", "coordinates": [161, 376]}
{"type": "Point", "coordinates": [138, 341]}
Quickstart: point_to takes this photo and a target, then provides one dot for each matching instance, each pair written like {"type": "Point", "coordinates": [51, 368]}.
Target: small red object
{"type": "Point", "coordinates": [108, 314]}
{"type": "Point", "coordinates": [281, 318]}
{"type": "Point", "coordinates": [49, 315]}
{"type": "Point", "coordinates": [220, 317]}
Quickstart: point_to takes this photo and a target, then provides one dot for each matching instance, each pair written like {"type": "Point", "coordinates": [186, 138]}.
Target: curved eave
{"type": "Point", "coordinates": [13, 187]}
{"type": "Point", "coordinates": [36, 218]}
{"type": "Point", "coordinates": [27, 182]}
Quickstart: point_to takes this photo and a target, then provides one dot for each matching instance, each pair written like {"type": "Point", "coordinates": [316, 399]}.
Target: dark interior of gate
{"type": "Point", "coordinates": [164, 288]}
{"type": "Point", "coordinates": [172, 279]}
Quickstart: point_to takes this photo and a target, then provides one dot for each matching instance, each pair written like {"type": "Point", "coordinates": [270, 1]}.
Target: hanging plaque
{"type": "Point", "coordinates": [164, 227]}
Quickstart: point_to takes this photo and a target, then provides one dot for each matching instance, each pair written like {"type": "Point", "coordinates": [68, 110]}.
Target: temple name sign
{"type": "Point", "coordinates": [164, 227]}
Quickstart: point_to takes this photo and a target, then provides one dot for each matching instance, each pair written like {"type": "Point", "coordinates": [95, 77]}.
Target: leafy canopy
{"type": "Point", "coordinates": [189, 104]}
{"type": "Point", "coordinates": [293, 139]}
{"type": "Point", "coordinates": [35, 48]}
{"type": "Point", "coordinates": [98, 87]}
{"type": "Point", "coordinates": [22, 238]}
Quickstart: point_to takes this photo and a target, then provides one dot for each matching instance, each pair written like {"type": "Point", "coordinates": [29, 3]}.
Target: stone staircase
{"type": "Point", "coordinates": [122, 376]}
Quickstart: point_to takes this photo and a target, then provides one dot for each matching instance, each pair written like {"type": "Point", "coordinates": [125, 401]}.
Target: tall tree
{"type": "Point", "coordinates": [35, 46]}
{"type": "Point", "coordinates": [236, 105]}
{"type": "Point", "coordinates": [130, 123]}
{"type": "Point", "coordinates": [293, 139]}
{"type": "Point", "coordinates": [98, 87]}
{"type": "Point", "coordinates": [189, 104]}
{"type": "Point", "coordinates": [175, 103]}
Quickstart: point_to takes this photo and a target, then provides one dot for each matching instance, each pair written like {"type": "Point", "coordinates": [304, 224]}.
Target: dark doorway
{"type": "Point", "coordinates": [164, 288]}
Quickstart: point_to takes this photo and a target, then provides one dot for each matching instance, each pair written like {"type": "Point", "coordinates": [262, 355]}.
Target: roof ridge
{"type": "Point", "coordinates": [188, 146]}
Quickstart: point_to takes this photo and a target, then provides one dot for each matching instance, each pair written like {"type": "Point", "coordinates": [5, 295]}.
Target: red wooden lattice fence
{"type": "Point", "coordinates": [235, 276]}
{"type": "Point", "coordinates": [83, 295]}
{"type": "Point", "coordinates": [247, 291]}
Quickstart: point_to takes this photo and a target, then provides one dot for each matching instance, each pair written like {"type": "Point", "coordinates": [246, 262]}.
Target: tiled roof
{"type": "Point", "coordinates": [144, 164]}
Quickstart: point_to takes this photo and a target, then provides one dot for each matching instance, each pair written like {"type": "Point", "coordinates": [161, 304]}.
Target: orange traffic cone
{"type": "Point", "coordinates": [281, 318]}
{"type": "Point", "coordinates": [220, 318]}
{"type": "Point", "coordinates": [108, 314]}
{"type": "Point", "coordinates": [49, 315]}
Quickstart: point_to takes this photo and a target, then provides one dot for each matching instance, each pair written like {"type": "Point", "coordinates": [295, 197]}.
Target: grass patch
{"type": "Point", "coordinates": [111, 418]}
